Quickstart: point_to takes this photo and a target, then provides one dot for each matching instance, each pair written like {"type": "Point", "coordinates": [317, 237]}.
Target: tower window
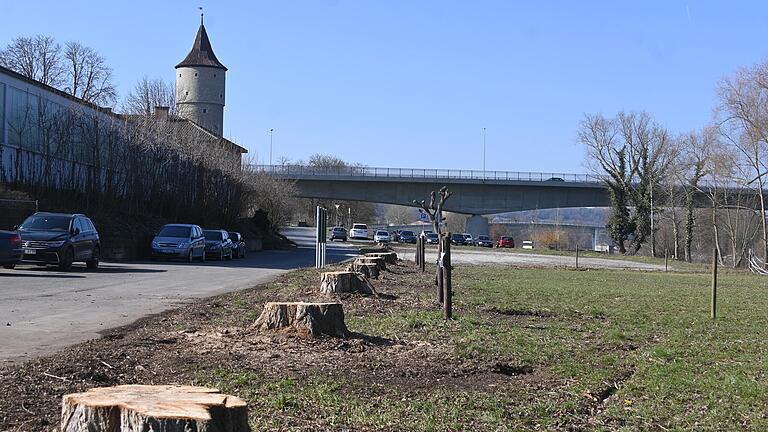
{"type": "Point", "coordinates": [205, 110]}
{"type": "Point", "coordinates": [221, 96]}
{"type": "Point", "coordinates": [179, 75]}
{"type": "Point", "coordinates": [195, 73]}
{"type": "Point", "coordinates": [186, 93]}
{"type": "Point", "coordinates": [214, 75]}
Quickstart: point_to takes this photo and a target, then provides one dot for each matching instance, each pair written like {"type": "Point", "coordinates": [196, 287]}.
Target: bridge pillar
{"type": "Point", "coordinates": [477, 225]}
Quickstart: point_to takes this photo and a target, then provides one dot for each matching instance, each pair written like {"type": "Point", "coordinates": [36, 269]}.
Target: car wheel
{"type": "Point", "coordinates": [66, 261]}
{"type": "Point", "coordinates": [9, 266]}
{"type": "Point", "coordinates": [202, 256]}
{"type": "Point", "coordinates": [93, 263]}
{"type": "Point", "coordinates": [229, 257]}
{"type": "Point", "coordinates": [242, 254]}
{"type": "Point", "coordinates": [190, 256]}
{"type": "Point", "coordinates": [221, 255]}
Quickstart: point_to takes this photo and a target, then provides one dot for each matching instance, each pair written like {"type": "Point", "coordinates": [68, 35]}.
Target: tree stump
{"type": "Point", "coordinates": [157, 408]}
{"type": "Point", "coordinates": [389, 257]}
{"type": "Point", "coordinates": [379, 262]}
{"type": "Point", "coordinates": [344, 282]}
{"type": "Point", "coordinates": [371, 271]}
{"type": "Point", "coordinates": [306, 319]}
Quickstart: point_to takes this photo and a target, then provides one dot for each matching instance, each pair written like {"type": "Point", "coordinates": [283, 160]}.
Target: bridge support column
{"type": "Point", "coordinates": [477, 225]}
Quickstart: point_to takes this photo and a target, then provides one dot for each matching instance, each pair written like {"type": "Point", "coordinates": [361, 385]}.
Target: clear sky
{"type": "Point", "coordinates": [411, 83]}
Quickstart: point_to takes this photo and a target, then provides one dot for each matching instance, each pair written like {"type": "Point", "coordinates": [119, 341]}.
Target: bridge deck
{"type": "Point", "coordinates": [409, 174]}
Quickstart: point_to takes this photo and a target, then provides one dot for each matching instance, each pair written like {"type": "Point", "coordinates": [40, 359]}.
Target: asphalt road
{"type": "Point", "coordinates": [42, 309]}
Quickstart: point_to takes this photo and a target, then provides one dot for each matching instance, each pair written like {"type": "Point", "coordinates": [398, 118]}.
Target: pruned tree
{"type": "Point", "coordinates": [88, 76]}
{"type": "Point", "coordinates": [400, 215]}
{"type": "Point", "coordinates": [435, 212]}
{"type": "Point", "coordinates": [149, 93]}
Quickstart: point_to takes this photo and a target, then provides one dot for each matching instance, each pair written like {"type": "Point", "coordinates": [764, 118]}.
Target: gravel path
{"type": "Point", "coordinates": [494, 256]}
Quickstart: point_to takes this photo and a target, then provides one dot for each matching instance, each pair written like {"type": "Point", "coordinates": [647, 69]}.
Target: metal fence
{"type": "Point", "coordinates": [453, 174]}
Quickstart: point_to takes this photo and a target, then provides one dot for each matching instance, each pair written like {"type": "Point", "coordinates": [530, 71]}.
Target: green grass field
{"type": "Point", "coordinates": [584, 350]}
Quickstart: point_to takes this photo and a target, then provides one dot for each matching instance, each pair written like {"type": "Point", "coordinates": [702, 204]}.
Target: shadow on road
{"type": "Point", "coordinates": [17, 274]}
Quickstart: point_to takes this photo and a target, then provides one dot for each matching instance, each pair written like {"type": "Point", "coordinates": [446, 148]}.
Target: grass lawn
{"type": "Point", "coordinates": [549, 349]}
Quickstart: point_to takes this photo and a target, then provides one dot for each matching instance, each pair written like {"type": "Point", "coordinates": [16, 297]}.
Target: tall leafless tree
{"type": "Point", "coordinates": [88, 75]}
{"type": "Point", "coordinates": [36, 57]}
{"type": "Point", "coordinates": [744, 125]}
{"type": "Point", "coordinates": [149, 93]}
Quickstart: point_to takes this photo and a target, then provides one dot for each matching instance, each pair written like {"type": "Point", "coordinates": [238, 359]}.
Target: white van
{"type": "Point", "coordinates": [359, 231]}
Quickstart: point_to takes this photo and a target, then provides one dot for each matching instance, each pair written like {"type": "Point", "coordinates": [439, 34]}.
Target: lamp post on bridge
{"type": "Point", "coordinates": [271, 130]}
{"type": "Point", "coordinates": [483, 153]}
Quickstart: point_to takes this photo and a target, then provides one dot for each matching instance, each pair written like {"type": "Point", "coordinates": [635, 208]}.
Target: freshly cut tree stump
{"type": "Point", "coordinates": [389, 257]}
{"type": "Point", "coordinates": [379, 262]}
{"type": "Point", "coordinates": [344, 282]}
{"type": "Point", "coordinates": [153, 408]}
{"type": "Point", "coordinates": [370, 271]}
{"type": "Point", "coordinates": [307, 319]}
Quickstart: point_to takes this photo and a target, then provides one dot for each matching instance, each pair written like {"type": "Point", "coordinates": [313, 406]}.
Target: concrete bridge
{"type": "Point", "coordinates": [475, 193]}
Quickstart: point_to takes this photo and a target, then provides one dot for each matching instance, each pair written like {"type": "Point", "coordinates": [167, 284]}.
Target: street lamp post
{"type": "Point", "coordinates": [271, 130]}
{"type": "Point", "coordinates": [337, 213]}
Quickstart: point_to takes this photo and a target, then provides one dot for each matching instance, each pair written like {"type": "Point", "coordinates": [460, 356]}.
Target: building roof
{"type": "Point", "coordinates": [202, 52]}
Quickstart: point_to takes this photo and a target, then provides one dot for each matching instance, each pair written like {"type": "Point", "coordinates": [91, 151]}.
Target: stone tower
{"type": "Point", "coordinates": [200, 84]}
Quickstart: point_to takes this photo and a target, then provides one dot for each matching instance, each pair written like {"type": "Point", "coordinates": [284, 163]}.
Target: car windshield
{"type": "Point", "coordinates": [359, 226]}
{"type": "Point", "coordinates": [468, 236]}
{"type": "Point", "coordinates": [407, 233]}
{"type": "Point", "coordinates": [213, 235]}
{"type": "Point", "coordinates": [382, 233]}
{"type": "Point", "coordinates": [431, 235]}
{"type": "Point", "coordinates": [457, 236]}
{"type": "Point", "coordinates": [338, 229]}
{"type": "Point", "coordinates": [174, 231]}
{"type": "Point", "coordinates": [46, 223]}
{"type": "Point", "coordinates": [506, 238]}
{"type": "Point", "coordinates": [234, 236]}
{"type": "Point", "coordinates": [483, 238]}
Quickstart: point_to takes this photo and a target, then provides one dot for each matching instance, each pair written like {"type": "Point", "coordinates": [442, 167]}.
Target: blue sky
{"type": "Point", "coordinates": [411, 83]}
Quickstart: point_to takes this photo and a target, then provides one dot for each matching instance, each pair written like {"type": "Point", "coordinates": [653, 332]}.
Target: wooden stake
{"type": "Point", "coordinates": [714, 284]}
{"type": "Point", "coordinates": [666, 260]}
{"type": "Point", "coordinates": [423, 252]}
{"type": "Point", "coordinates": [417, 254]}
{"type": "Point", "coordinates": [440, 250]}
{"type": "Point", "coordinates": [577, 255]}
{"type": "Point", "coordinates": [448, 290]}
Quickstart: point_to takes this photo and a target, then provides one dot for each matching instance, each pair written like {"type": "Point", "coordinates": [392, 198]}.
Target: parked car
{"type": "Point", "coordinates": [468, 240]}
{"type": "Point", "coordinates": [238, 244]}
{"type": "Point", "coordinates": [10, 249]}
{"type": "Point", "coordinates": [427, 232]}
{"type": "Point", "coordinates": [407, 237]}
{"type": "Point", "coordinates": [382, 236]}
{"type": "Point", "coordinates": [506, 242]}
{"type": "Point", "coordinates": [217, 244]}
{"type": "Point", "coordinates": [338, 233]}
{"type": "Point", "coordinates": [184, 241]}
{"type": "Point", "coordinates": [61, 239]}
{"type": "Point", "coordinates": [484, 241]}
{"type": "Point", "coordinates": [359, 231]}
{"type": "Point", "coordinates": [458, 239]}
{"type": "Point", "coordinates": [555, 179]}
{"type": "Point", "coordinates": [432, 238]}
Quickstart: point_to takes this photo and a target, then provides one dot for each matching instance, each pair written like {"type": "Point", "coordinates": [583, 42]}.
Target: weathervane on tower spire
{"type": "Point", "coordinates": [201, 14]}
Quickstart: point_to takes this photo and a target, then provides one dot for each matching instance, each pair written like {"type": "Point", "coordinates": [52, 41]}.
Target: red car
{"type": "Point", "coordinates": [506, 242]}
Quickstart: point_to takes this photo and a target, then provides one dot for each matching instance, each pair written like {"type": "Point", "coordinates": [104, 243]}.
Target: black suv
{"type": "Point", "coordinates": [56, 238]}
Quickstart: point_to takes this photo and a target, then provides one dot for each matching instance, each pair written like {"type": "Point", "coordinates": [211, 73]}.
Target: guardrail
{"type": "Point", "coordinates": [355, 171]}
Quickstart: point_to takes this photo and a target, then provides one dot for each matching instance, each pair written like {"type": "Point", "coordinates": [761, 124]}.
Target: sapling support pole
{"type": "Point", "coordinates": [447, 289]}
{"type": "Point", "coordinates": [423, 252]}
{"type": "Point", "coordinates": [714, 284]}
{"type": "Point", "coordinates": [666, 260]}
{"type": "Point", "coordinates": [577, 255]}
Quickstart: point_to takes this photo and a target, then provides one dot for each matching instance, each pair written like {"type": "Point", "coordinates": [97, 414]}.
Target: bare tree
{"type": "Point", "coordinates": [400, 215]}
{"type": "Point", "coordinates": [744, 125]}
{"type": "Point", "coordinates": [88, 75]}
{"type": "Point", "coordinates": [37, 57]}
{"type": "Point", "coordinates": [149, 93]}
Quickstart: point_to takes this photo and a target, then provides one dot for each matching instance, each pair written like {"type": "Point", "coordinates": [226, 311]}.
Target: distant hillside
{"type": "Point", "coordinates": [583, 216]}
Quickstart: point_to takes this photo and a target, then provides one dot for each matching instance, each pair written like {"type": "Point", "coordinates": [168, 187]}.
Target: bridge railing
{"type": "Point", "coordinates": [426, 173]}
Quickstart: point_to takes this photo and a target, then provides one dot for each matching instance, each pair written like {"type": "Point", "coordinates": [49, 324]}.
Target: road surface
{"type": "Point", "coordinates": [42, 309]}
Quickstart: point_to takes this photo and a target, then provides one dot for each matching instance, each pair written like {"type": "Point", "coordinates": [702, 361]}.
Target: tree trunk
{"type": "Point", "coordinates": [378, 262]}
{"type": "Point", "coordinates": [306, 319]}
{"type": "Point", "coordinates": [370, 271]}
{"type": "Point", "coordinates": [344, 282]}
{"type": "Point", "coordinates": [156, 408]}
{"type": "Point", "coordinates": [389, 257]}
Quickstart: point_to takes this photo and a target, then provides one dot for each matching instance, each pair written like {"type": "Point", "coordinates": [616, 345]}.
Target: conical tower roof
{"type": "Point", "coordinates": [202, 52]}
